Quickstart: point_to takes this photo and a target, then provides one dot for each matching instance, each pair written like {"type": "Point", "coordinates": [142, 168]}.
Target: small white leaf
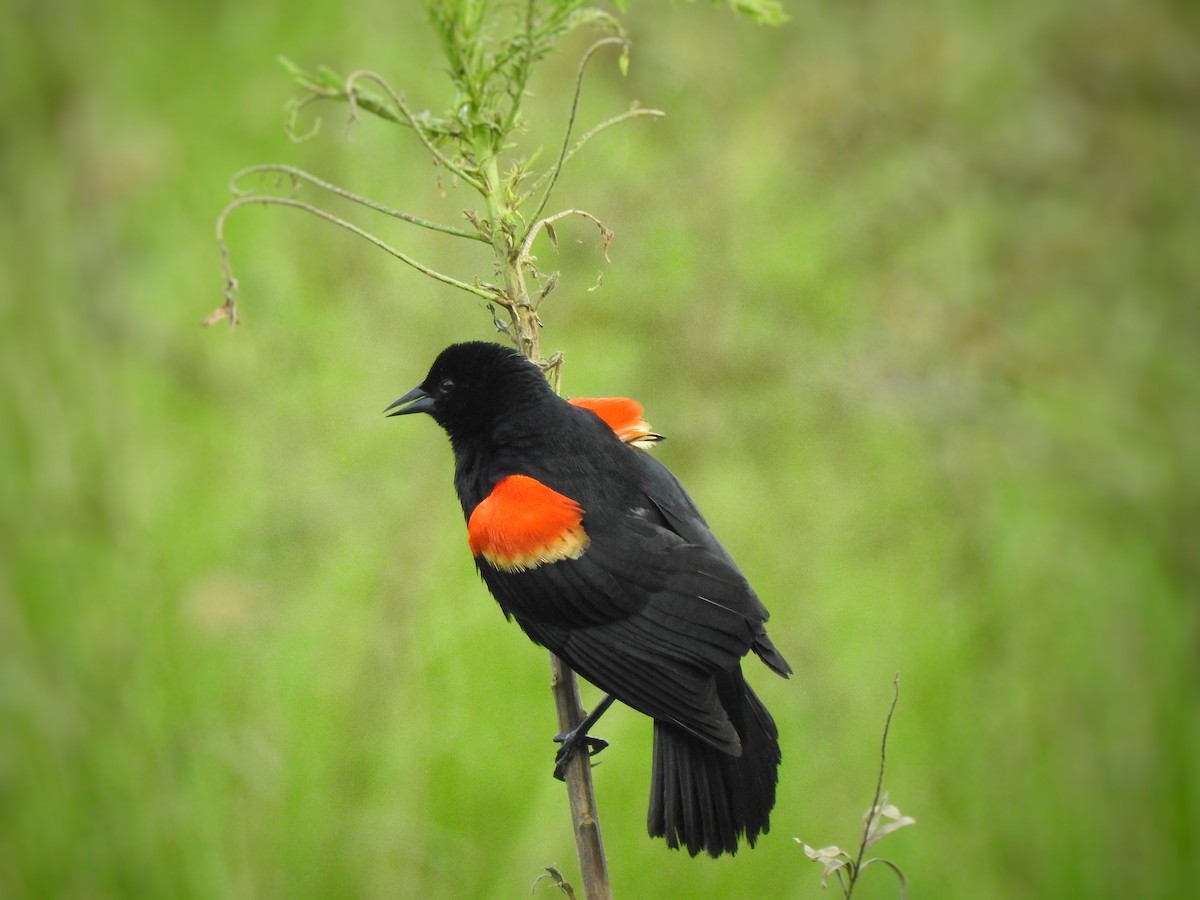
{"type": "Point", "coordinates": [876, 828]}
{"type": "Point", "coordinates": [828, 857]}
{"type": "Point", "coordinates": [822, 853]}
{"type": "Point", "coordinates": [884, 830]}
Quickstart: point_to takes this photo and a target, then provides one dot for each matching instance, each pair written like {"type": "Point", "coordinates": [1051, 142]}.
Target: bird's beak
{"type": "Point", "coordinates": [417, 402]}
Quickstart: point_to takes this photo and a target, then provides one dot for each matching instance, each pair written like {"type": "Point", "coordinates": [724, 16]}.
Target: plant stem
{"type": "Point", "coordinates": [856, 868]}
{"type": "Point", "coordinates": [593, 865]}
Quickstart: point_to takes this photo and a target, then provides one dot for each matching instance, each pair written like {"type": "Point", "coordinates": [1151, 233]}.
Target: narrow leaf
{"type": "Point", "coordinates": [832, 859]}
{"type": "Point", "coordinates": [884, 830]}
{"type": "Point", "coordinates": [877, 827]}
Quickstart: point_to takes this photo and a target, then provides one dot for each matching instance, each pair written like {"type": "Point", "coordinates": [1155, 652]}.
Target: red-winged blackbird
{"type": "Point", "coordinates": [596, 550]}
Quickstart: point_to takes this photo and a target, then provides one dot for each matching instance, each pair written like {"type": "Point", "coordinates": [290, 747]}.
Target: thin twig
{"type": "Point", "coordinates": [895, 868]}
{"type": "Point", "coordinates": [862, 845]}
{"type": "Point", "coordinates": [267, 200]}
{"type": "Point", "coordinates": [367, 75]}
{"type": "Point", "coordinates": [606, 234]}
{"type": "Point", "coordinates": [633, 113]}
{"type": "Point", "coordinates": [564, 685]}
{"type": "Point", "coordinates": [593, 865]}
{"type": "Point", "coordinates": [328, 86]}
{"type": "Point", "coordinates": [562, 155]}
{"type": "Point", "coordinates": [298, 175]}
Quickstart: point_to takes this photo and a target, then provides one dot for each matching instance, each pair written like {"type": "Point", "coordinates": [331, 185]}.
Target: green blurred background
{"type": "Point", "coordinates": [911, 288]}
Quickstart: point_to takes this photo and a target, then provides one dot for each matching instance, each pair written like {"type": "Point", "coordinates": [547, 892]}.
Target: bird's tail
{"type": "Point", "coordinates": [702, 798]}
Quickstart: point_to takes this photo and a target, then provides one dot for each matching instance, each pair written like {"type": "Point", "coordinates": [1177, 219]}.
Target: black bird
{"type": "Point", "coordinates": [596, 550]}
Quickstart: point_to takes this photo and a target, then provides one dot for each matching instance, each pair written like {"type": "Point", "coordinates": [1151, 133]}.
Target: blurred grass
{"type": "Point", "coordinates": [913, 291]}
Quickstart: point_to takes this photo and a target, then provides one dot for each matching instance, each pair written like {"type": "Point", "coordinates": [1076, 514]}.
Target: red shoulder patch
{"type": "Point", "coordinates": [522, 524]}
{"type": "Point", "coordinates": [623, 416]}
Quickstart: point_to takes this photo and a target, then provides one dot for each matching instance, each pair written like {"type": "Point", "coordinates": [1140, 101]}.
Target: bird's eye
{"type": "Point", "coordinates": [445, 386]}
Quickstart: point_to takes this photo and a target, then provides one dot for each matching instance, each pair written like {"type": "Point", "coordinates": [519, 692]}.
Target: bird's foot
{"type": "Point", "coordinates": [574, 742]}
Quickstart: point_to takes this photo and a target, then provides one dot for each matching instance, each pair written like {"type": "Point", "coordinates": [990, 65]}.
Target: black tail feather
{"type": "Point", "coordinates": [704, 799]}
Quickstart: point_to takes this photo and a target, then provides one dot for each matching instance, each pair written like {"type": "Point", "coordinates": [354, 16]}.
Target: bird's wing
{"type": "Point", "coordinates": [644, 615]}
{"type": "Point", "coordinates": [681, 515]}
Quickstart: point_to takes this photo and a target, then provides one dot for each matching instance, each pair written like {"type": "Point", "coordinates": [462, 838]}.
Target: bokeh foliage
{"type": "Point", "coordinates": [911, 288]}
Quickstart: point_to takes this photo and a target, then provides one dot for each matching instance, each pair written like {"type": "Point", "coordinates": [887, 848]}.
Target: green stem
{"type": "Point", "coordinates": [525, 323]}
{"type": "Point", "coordinates": [266, 200]}
{"type": "Point", "coordinates": [564, 684]}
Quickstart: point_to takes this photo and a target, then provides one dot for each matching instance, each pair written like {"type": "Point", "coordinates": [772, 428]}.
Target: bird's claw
{"type": "Point", "coordinates": [573, 742]}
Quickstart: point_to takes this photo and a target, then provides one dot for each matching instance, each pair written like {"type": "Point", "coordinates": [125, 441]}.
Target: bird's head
{"type": "Point", "coordinates": [473, 386]}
